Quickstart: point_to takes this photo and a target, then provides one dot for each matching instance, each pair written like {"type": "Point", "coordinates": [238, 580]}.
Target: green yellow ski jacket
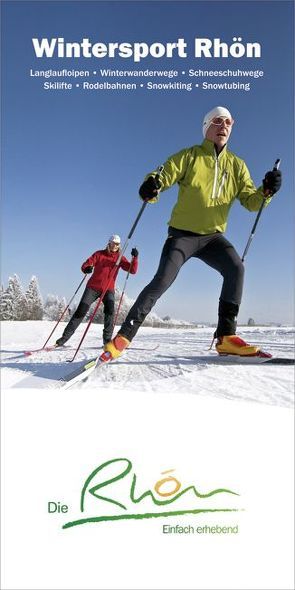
{"type": "Point", "coordinates": [208, 186]}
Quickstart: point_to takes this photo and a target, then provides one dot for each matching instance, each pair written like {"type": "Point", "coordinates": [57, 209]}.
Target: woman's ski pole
{"type": "Point", "coordinates": [267, 194]}
{"type": "Point", "coordinates": [64, 311]}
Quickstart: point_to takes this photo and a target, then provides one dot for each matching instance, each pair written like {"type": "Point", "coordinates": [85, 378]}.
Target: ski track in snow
{"type": "Point", "coordinates": [170, 369]}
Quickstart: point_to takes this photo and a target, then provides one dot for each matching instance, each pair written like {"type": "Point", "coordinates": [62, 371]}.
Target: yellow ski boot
{"type": "Point", "coordinates": [235, 345]}
{"type": "Point", "coordinates": [114, 348]}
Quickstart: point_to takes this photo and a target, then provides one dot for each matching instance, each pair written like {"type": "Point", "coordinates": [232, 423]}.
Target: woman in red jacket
{"type": "Point", "coordinates": [101, 263]}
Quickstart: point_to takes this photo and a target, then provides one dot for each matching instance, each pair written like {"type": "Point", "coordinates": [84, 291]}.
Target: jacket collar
{"type": "Point", "coordinates": [109, 253]}
{"type": "Point", "coordinates": [209, 147]}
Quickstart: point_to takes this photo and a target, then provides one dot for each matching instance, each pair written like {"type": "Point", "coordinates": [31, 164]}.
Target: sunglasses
{"type": "Point", "coordinates": [221, 120]}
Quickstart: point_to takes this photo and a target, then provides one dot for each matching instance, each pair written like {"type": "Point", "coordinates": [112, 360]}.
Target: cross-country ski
{"type": "Point", "coordinates": [162, 361]}
{"type": "Point", "coordinates": [83, 373]}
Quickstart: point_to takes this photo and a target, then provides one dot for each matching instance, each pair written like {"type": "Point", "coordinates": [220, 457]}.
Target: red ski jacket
{"type": "Point", "coordinates": [103, 262]}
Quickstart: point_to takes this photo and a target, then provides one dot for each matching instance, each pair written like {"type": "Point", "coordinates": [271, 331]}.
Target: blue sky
{"type": "Point", "coordinates": [73, 160]}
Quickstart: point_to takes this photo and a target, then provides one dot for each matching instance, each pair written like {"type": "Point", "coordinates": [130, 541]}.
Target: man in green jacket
{"type": "Point", "coordinates": [210, 178]}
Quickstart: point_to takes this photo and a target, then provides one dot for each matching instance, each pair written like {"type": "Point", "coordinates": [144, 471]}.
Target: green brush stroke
{"type": "Point", "coordinates": [144, 516]}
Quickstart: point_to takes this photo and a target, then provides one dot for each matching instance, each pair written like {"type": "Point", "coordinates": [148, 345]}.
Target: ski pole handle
{"type": "Point", "coordinates": [160, 168]}
{"type": "Point", "coordinates": [267, 194]}
{"type": "Point", "coordinates": [276, 167]}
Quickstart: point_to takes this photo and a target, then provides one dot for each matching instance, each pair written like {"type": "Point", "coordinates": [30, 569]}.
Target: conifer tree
{"type": "Point", "coordinates": [6, 304]}
{"type": "Point", "coordinates": [13, 303]}
{"type": "Point", "coordinates": [34, 300]}
{"type": "Point", "coordinates": [20, 300]}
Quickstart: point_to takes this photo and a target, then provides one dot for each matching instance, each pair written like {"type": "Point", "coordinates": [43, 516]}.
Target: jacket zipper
{"type": "Point", "coordinates": [213, 196]}
{"type": "Point", "coordinates": [215, 178]}
{"type": "Point", "coordinates": [221, 184]}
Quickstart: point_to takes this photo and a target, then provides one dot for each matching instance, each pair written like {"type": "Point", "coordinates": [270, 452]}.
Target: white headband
{"type": "Point", "coordinates": [216, 112]}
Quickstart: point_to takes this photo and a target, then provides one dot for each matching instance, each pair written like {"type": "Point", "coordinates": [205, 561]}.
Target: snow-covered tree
{"type": "Point", "coordinates": [34, 300]}
{"type": "Point", "coordinates": [13, 303]}
{"type": "Point", "coordinates": [51, 307]}
{"type": "Point", "coordinates": [54, 308]}
{"type": "Point", "coordinates": [6, 304]}
{"type": "Point", "coordinates": [20, 300]}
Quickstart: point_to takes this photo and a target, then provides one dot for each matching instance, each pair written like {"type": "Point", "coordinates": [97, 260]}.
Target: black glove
{"type": "Point", "coordinates": [134, 252]}
{"type": "Point", "coordinates": [88, 269]}
{"type": "Point", "coordinates": [149, 188]}
{"type": "Point", "coordinates": [272, 182]}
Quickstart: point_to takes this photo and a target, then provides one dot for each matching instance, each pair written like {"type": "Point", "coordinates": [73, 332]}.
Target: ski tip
{"type": "Point", "coordinates": [274, 360]}
{"type": "Point", "coordinates": [264, 355]}
{"type": "Point", "coordinates": [43, 349]}
{"type": "Point", "coordinates": [105, 357]}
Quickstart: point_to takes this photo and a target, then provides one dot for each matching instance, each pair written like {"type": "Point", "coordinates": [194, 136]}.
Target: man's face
{"type": "Point", "coordinates": [220, 130]}
{"type": "Point", "coordinates": [113, 246]}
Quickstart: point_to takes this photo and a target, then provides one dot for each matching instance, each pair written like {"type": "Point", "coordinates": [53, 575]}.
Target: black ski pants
{"type": "Point", "coordinates": [88, 297]}
{"type": "Point", "coordinates": [216, 251]}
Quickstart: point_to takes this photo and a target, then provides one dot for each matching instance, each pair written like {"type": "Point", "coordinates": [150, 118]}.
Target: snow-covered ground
{"type": "Point", "coordinates": [164, 361]}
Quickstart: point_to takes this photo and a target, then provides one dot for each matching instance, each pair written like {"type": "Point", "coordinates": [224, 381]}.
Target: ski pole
{"type": "Point", "coordinates": [64, 311]}
{"type": "Point", "coordinates": [266, 194]}
{"type": "Point", "coordinates": [121, 298]}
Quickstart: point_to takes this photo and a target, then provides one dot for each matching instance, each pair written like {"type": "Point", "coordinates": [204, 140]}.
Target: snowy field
{"type": "Point", "coordinates": [163, 361]}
